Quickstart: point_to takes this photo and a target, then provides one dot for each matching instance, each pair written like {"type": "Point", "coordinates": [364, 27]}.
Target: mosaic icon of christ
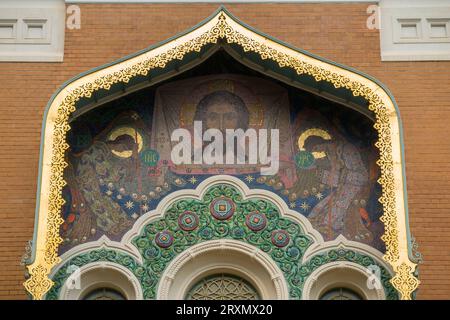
{"type": "Point", "coordinates": [222, 102]}
{"type": "Point", "coordinates": [223, 110]}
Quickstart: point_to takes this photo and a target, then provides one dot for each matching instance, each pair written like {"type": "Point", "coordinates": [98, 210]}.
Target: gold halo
{"type": "Point", "coordinates": [313, 132]}
{"type": "Point", "coordinates": [133, 133]}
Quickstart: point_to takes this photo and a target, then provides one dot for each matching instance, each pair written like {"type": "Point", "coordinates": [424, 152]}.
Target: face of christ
{"type": "Point", "coordinates": [226, 138]}
{"type": "Point", "coordinates": [222, 116]}
{"type": "Point", "coordinates": [222, 110]}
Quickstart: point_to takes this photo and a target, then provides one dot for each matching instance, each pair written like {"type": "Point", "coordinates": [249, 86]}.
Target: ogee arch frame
{"type": "Point", "coordinates": [221, 26]}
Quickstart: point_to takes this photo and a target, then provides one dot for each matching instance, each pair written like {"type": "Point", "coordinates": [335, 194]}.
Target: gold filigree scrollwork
{"type": "Point", "coordinates": [403, 281]}
{"type": "Point", "coordinates": [46, 258]}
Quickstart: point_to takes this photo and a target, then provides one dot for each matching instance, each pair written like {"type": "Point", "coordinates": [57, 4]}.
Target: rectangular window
{"type": "Point", "coordinates": [35, 31]}
{"type": "Point", "coordinates": [439, 29]}
{"type": "Point", "coordinates": [414, 30]}
{"type": "Point", "coordinates": [32, 30]}
{"type": "Point", "coordinates": [407, 30]}
{"type": "Point", "coordinates": [8, 29]}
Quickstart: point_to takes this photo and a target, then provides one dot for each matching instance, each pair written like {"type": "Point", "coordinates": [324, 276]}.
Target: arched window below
{"type": "Point", "coordinates": [104, 294]}
{"type": "Point", "coordinates": [340, 294]}
{"type": "Point", "coordinates": [102, 281]}
{"type": "Point", "coordinates": [223, 287]}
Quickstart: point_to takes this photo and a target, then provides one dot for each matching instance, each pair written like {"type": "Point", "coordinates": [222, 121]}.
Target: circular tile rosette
{"type": "Point", "coordinates": [280, 238]}
{"type": "Point", "coordinates": [164, 239]}
{"type": "Point", "coordinates": [188, 221]}
{"type": "Point", "coordinates": [256, 221]}
{"type": "Point", "coordinates": [222, 208]}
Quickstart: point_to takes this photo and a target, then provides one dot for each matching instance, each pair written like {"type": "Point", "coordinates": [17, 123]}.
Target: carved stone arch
{"type": "Point", "coordinates": [100, 274]}
{"type": "Point", "coordinates": [221, 27]}
{"type": "Point", "coordinates": [341, 274]}
{"type": "Point", "coordinates": [227, 254]}
{"type": "Point", "coordinates": [96, 260]}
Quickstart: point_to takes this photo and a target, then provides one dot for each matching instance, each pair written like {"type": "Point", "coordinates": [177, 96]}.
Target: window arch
{"type": "Point", "coordinates": [343, 279]}
{"type": "Point", "coordinates": [234, 259]}
{"type": "Point", "coordinates": [104, 293]}
{"type": "Point", "coordinates": [101, 281]}
{"type": "Point", "coordinates": [341, 293]}
{"type": "Point", "coordinates": [220, 26]}
{"type": "Point", "coordinates": [223, 286]}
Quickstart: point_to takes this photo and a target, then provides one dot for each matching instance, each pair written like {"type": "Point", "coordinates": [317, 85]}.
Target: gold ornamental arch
{"type": "Point", "coordinates": [222, 26]}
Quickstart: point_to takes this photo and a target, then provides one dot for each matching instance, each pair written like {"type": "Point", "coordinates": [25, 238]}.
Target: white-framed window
{"type": "Point", "coordinates": [438, 29]}
{"type": "Point", "coordinates": [407, 30]}
{"type": "Point", "coordinates": [32, 30]}
{"type": "Point", "coordinates": [415, 30]}
{"type": "Point", "coordinates": [8, 30]}
{"type": "Point", "coordinates": [340, 293]}
{"type": "Point", "coordinates": [421, 30]}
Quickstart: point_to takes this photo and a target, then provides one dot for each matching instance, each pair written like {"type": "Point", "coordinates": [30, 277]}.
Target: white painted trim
{"type": "Point", "coordinates": [222, 1]}
{"type": "Point", "coordinates": [414, 56]}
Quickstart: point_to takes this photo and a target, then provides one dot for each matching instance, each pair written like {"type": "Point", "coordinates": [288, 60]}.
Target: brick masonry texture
{"type": "Point", "coordinates": [334, 31]}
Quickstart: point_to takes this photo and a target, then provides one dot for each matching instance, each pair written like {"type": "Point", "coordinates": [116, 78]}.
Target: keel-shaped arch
{"type": "Point", "coordinates": [221, 27]}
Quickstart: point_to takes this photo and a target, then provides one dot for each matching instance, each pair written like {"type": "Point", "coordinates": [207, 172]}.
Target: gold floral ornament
{"type": "Point", "coordinates": [403, 282]}
{"type": "Point", "coordinates": [221, 26]}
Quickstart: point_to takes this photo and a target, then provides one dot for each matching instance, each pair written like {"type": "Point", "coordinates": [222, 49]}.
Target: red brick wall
{"type": "Point", "coordinates": [335, 31]}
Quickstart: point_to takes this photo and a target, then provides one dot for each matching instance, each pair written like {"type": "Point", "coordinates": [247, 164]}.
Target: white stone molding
{"type": "Point", "coordinates": [343, 243]}
{"type": "Point", "coordinates": [102, 274]}
{"type": "Point", "coordinates": [203, 187]}
{"type": "Point", "coordinates": [220, 1]}
{"type": "Point", "coordinates": [222, 256]}
{"type": "Point", "coordinates": [340, 274]}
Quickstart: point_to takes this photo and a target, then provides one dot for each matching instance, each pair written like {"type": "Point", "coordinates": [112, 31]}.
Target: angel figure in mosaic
{"type": "Point", "coordinates": [331, 176]}
{"type": "Point", "coordinates": [345, 173]}
{"type": "Point", "coordinates": [106, 183]}
{"type": "Point", "coordinates": [95, 211]}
